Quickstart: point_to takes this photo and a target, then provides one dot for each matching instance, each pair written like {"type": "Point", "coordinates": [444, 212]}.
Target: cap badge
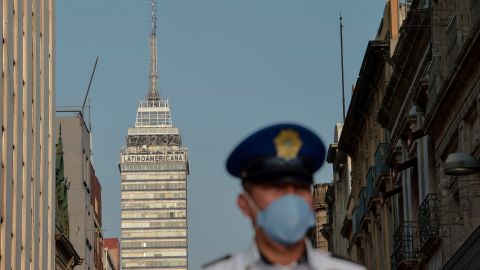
{"type": "Point", "coordinates": [287, 144]}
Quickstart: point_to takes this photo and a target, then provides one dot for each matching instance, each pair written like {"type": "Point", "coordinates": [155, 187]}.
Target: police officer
{"type": "Point", "coordinates": [276, 166]}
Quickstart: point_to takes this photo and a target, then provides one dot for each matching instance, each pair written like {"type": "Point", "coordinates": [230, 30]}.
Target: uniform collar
{"type": "Point", "coordinates": [253, 255]}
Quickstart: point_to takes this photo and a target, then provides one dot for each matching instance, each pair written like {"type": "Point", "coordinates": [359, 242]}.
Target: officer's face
{"type": "Point", "coordinates": [264, 194]}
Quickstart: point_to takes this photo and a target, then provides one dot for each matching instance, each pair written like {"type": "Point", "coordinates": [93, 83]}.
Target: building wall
{"type": "Point", "coordinates": [450, 119]}
{"type": "Point", "coordinates": [320, 207]}
{"type": "Point", "coordinates": [96, 204]}
{"type": "Point", "coordinates": [362, 222]}
{"type": "Point", "coordinates": [154, 167]}
{"type": "Point", "coordinates": [27, 189]}
{"type": "Point", "coordinates": [429, 109]}
{"type": "Point", "coordinates": [342, 188]}
{"type": "Point", "coordinates": [77, 155]}
{"type": "Point", "coordinates": [111, 258]}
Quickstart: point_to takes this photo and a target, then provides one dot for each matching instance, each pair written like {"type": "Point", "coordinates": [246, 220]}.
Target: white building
{"type": "Point", "coordinates": [154, 168]}
{"type": "Point", "coordinates": [27, 171]}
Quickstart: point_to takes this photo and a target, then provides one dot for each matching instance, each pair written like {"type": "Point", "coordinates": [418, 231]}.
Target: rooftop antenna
{"type": "Point", "coordinates": [89, 85]}
{"type": "Point", "coordinates": [153, 94]}
{"type": "Point", "coordinates": [341, 57]}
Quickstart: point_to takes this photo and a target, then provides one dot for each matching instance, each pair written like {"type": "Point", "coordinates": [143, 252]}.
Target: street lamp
{"type": "Point", "coordinates": [461, 163]}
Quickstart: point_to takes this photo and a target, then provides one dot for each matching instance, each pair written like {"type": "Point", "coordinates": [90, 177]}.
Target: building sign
{"type": "Point", "coordinates": [153, 158]}
{"type": "Point", "coordinates": [154, 140]}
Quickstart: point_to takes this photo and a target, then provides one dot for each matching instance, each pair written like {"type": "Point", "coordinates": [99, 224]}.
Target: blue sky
{"type": "Point", "coordinates": [227, 68]}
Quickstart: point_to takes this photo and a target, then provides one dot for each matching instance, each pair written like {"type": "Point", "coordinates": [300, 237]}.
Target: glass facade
{"type": "Point", "coordinates": [154, 168]}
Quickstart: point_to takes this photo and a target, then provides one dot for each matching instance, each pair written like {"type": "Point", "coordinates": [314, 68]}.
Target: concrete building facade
{"type": "Point", "coordinates": [418, 204]}
{"type": "Point", "coordinates": [154, 167]}
{"type": "Point", "coordinates": [321, 218]}
{"type": "Point", "coordinates": [111, 254]}
{"type": "Point", "coordinates": [84, 188]}
{"type": "Point", "coordinates": [96, 204]}
{"type": "Point", "coordinates": [66, 257]}
{"type": "Point", "coordinates": [357, 157]}
{"type": "Point", "coordinates": [27, 189]}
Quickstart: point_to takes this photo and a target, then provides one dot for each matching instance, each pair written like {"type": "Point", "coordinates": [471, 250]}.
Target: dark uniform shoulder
{"type": "Point", "coordinates": [224, 258]}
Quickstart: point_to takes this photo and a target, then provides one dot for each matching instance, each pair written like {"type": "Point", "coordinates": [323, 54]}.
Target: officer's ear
{"type": "Point", "coordinates": [242, 203]}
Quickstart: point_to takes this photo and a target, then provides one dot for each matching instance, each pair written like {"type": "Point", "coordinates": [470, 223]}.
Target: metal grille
{"type": "Point", "coordinates": [406, 244]}
{"type": "Point", "coordinates": [381, 168]}
{"type": "Point", "coordinates": [428, 219]}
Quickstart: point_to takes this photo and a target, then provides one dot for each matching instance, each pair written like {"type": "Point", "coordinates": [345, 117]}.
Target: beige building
{"type": "Point", "coordinates": [359, 216]}
{"type": "Point", "coordinates": [84, 207]}
{"type": "Point", "coordinates": [27, 189]}
{"type": "Point", "coordinates": [412, 136]}
{"type": "Point", "coordinates": [66, 257]}
{"type": "Point", "coordinates": [111, 254]}
{"type": "Point", "coordinates": [432, 114]}
{"type": "Point", "coordinates": [320, 207]}
{"type": "Point", "coordinates": [154, 168]}
{"type": "Point", "coordinates": [337, 205]}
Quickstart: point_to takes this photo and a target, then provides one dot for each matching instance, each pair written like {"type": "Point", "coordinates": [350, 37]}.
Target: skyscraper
{"type": "Point", "coordinates": [154, 168]}
{"type": "Point", "coordinates": [27, 145]}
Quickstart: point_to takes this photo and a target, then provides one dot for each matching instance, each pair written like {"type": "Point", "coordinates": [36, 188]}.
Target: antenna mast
{"type": "Point", "coordinates": [89, 84]}
{"type": "Point", "coordinates": [153, 91]}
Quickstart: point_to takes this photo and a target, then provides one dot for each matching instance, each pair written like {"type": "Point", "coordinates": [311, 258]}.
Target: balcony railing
{"type": "Point", "coordinates": [371, 189]}
{"type": "Point", "coordinates": [362, 205]}
{"type": "Point", "coordinates": [381, 167]}
{"type": "Point", "coordinates": [406, 249]}
{"type": "Point", "coordinates": [326, 230]}
{"type": "Point", "coordinates": [355, 220]}
{"type": "Point", "coordinates": [330, 195]}
{"type": "Point", "coordinates": [429, 221]}
{"type": "Point", "coordinates": [360, 211]}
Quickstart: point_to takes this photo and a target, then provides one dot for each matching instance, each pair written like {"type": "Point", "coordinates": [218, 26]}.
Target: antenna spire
{"type": "Point", "coordinates": [341, 59]}
{"type": "Point", "coordinates": [153, 91]}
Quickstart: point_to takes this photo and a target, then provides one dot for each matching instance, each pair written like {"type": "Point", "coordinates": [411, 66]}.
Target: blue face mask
{"type": "Point", "coordinates": [285, 220]}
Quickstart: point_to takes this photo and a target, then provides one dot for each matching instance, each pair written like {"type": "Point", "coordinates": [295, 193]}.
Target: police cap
{"type": "Point", "coordinates": [279, 153]}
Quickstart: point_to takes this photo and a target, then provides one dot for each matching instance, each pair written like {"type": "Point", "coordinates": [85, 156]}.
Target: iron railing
{"type": "Point", "coordinates": [428, 219]}
{"type": "Point", "coordinates": [330, 195]}
{"type": "Point", "coordinates": [362, 201]}
{"type": "Point", "coordinates": [355, 220]}
{"type": "Point", "coordinates": [371, 190]}
{"type": "Point", "coordinates": [326, 230]}
{"type": "Point", "coordinates": [406, 249]}
{"type": "Point", "coordinates": [381, 167]}
{"type": "Point", "coordinates": [359, 211]}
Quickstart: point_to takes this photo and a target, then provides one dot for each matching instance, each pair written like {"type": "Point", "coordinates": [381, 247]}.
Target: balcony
{"type": "Point", "coordinates": [406, 249]}
{"type": "Point", "coordinates": [372, 193]}
{"type": "Point", "coordinates": [381, 167]}
{"type": "Point", "coordinates": [330, 195]}
{"type": "Point", "coordinates": [429, 223]}
{"type": "Point", "coordinates": [356, 226]}
{"type": "Point", "coordinates": [360, 214]}
{"type": "Point", "coordinates": [326, 230]}
{"type": "Point", "coordinates": [319, 191]}
{"type": "Point", "coordinates": [362, 206]}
